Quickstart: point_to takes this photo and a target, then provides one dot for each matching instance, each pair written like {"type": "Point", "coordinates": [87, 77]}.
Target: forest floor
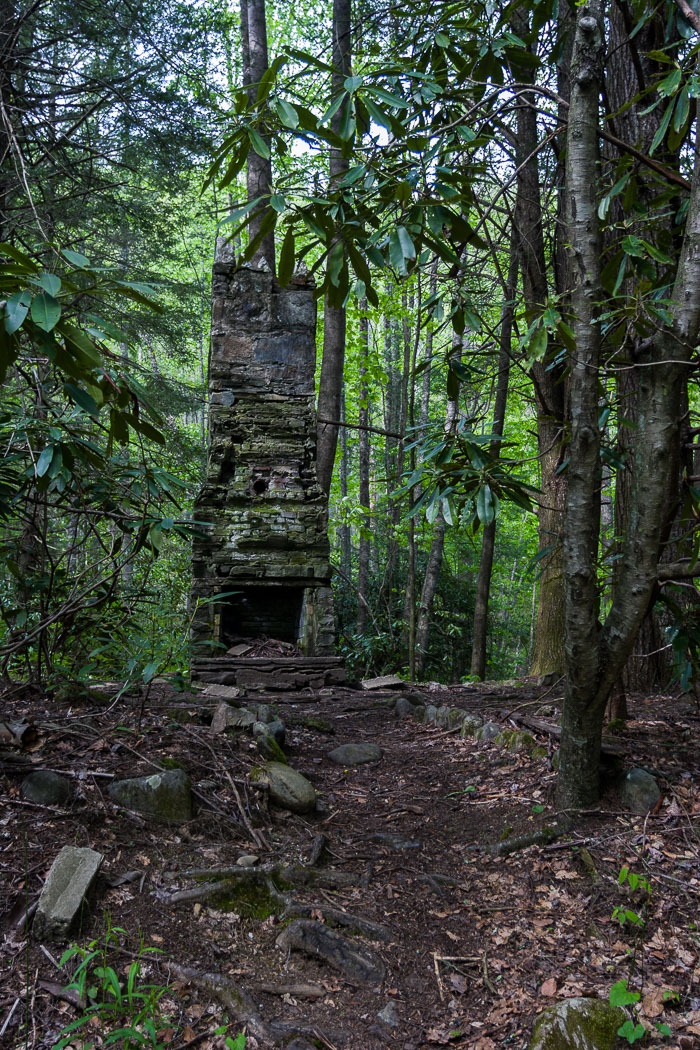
{"type": "Point", "coordinates": [478, 944]}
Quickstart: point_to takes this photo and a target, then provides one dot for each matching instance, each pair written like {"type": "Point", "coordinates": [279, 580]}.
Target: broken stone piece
{"type": "Point", "coordinates": [225, 692]}
{"type": "Point", "coordinates": [288, 788]}
{"type": "Point", "coordinates": [386, 681]}
{"type": "Point", "coordinates": [47, 788]}
{"type": "Point", "coordinates": [66, 887]}
{"type": "Point", "coordinates": [225, 717]}
{"type": "Point", "coordinates": [357, 964]}
{"type": "Point", "coordinates": [355, 754]}
{"type": "Point", "coordinates": [165, 797]}
{"type": "Point", "coordinates": [470, 724]}
{"type": "Point", "coordinates": [389, 1015]}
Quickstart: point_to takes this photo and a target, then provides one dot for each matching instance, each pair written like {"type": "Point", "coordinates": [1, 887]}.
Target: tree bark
{"type": "Point", "coordinates": [334, 318]}
{"type": "Point", "coordinates": [364, 470]}
{"type": "Point", "coordinates": [259, 169]}
{"type": "Point", "coordinates": [488, 539]}
{"type": "Point", "coordinates": [581, 718]}
{"type": "Point", "coordinates": [437, 547]}
{"type": "Point", "coordinates": [549, 386]}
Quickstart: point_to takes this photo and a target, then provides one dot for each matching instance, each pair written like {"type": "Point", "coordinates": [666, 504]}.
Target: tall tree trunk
{"type": "Point", "coordinates": [437, 547]}
{"type": "Point", "coordinates": [595, 655]}
{"type": "Point", "coordinates": [548, 380]}
{"type": "Point", "coordinates": [364, 469]}
{"type": "Point", "coordinates": [488, 540]}
{"type": "Point", "coordinates": [255, 63]}
{"type": "Point", "coordinates": [345, 544]}
{"type": "Point", "coordinates": [581, 719]}
{"type": "Point", "coordinates": [334, 318]}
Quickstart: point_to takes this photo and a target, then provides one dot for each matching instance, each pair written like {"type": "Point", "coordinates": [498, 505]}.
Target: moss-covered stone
{"type": "Point", "coordinates": [170, 763]}
{"type": "Point", "coordinates": [538, 752]}
{"type": "Point", "coordinates": [319, 725]}
{"type": "Point", "coordinates": [288, 789]}
{"type": "Point", "coordinates": [165, 797]}
{"type": "Point", "coordinates": [515, 740]}
{"type": "Point", "coordinates": [270, 750]}
{"type": "Point", "coordinates": [577, 1024]}
{"type": "Point", "coordinates": [251, 900]}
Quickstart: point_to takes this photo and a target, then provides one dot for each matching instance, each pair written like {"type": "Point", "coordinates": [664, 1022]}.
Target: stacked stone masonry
{"type": "Point", "coordinates": [263, 518]}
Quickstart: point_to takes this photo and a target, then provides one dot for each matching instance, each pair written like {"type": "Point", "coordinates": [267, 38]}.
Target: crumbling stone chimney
{"type": "Point", "coordinates": [263, 532]}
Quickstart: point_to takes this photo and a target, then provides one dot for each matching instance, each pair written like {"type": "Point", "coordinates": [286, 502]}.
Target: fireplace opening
{"type": "Point", "coordinates": [256, 612]}
{"type": "Point", "coordinates": [260, 486]}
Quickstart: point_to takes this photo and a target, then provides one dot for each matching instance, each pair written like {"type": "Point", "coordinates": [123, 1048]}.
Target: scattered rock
{"type": "Point", "coordinates": [389, 1015]}
{"type": "Point", "coordinates": [488, 731]}
{"type": "Point", "coordinates": [270, 750]}
{"type": "Point", "coordinates": [276, 730]}
{"type": "Point", "coordinates": [546, 681]}
{"type": "Point", "coordinates": [65, 890]}
{"type": "Point", "coordinates": [403, 708]}
{"type": "Point", "coordinates": [430, 713]}
{"type": "Point", "coordinates": [577, 1024]}
{"type": "Point", "coordinates": [165, 797]}
{"type": "Point", "coordinates": [387, 681]}
{"type": "Point", "coordinates": [249, 860]}
{"type": "Point", "coordinates": [219, 721]}
{"type": "Point", "coordinates": [355, 754]}
{"type": "Point", "coordinates": [393, 840]}
{"type": "Point", "coordinates": [357, 964]}
{"type": "Point", "coordinates": [419, 713]}
{"type": "Point", "coordinates": [241, 718]}
{"type": "Point", "coordinates": [455, 717]}
{"type": "Point", "coordinates": [639, 791]}
{"type": "Point", "coordinates": [443, 713]}
{"type": "Point", "coordinates": [288, 789]}
{"type": "Point", "coordinates": [225, 692]}
{"type": "Point", "coordinates": [299, 1044]}
{"type": "Point", "coordinates": [320, 725]}
{"type": "Point", "coordinates": [46, 788]}
{"type": "Point", "coordinates": [470, 725]}
{"type": "Point", "coordinates": [515, 740]}
{"type": "Point", "coordinates": [264, 713]}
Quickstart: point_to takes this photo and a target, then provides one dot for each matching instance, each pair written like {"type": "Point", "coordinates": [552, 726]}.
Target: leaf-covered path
{"type": "Point", "coordinates": [476, 944]}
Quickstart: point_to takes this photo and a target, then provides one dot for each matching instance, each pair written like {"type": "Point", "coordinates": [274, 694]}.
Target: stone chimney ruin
{"type": "Point", "coordinates": [261, 536]}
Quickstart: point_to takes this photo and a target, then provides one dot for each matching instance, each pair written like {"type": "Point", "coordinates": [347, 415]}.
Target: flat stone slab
{"type": "Point", "coordinates": [356, 964]}
{"type": "Point", "coordinates": [225, 717]}
{"type": "Point", "coordinates": [224, 692]}
{"type": "Point", "coordinates": [355, 754]}
{"type": "Point", "coordinates": [165, 797]}
{"type": "Point", "coordinates": [288, 788]}
{"type": "Point", "coordinates": [66, 887]}
{"type": "Point", "coordinates": [386, 681]}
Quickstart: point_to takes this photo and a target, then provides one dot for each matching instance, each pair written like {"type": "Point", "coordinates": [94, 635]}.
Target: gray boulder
{"type": "Point", "coordinates": [470, 725]}
{"type": "Point", "coordinates": [442, 716]}
{"type": "Point", "coordinates": [639, 791]}
{"type": "Point", "coordinates": [355, 754]}
{"type": "Point", "coordinates": [455, 717]}
{"type": "Point", "coordinates": [403, 708]}
{"type": "Point", "coordinates": [264, 713]}
{"type": "Point", "coordinates": [65, 890]}
{"type": "Point", "coordinates": [431, 713]}
{"type": "Point", "coordinates": [288, 788]}
{"type": "Point", "coordinates": [47, 788]}
{"type": "Point", "coordinates": [165, 797]}
{"type": "Point", "coordinates": [488, 731]}
{"type": "Point", "coordinates": [577, 1024]}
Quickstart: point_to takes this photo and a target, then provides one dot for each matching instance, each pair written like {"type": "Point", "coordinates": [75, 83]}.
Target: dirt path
{"type": "Point", "coordinates": [477, 944]}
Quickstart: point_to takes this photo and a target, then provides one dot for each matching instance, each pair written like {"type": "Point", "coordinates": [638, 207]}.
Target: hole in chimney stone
{"type": "Point", "coordinates": [259, 486]}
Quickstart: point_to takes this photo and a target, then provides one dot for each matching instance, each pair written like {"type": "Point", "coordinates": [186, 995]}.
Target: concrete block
{"type": "Point", "coordinates": [64, 893]}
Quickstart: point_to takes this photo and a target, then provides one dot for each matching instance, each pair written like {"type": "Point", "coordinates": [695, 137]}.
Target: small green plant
{"type": "Point", "coordinates": [622, 913]}
{"type": "Point", "coordinates": [239, 1043]}
{"type": "Point", "coordinates": [126, 1013]}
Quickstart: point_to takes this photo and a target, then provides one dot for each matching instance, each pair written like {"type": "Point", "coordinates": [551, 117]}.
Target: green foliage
{"type": "Point", "coordinates": [124, 1014]}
